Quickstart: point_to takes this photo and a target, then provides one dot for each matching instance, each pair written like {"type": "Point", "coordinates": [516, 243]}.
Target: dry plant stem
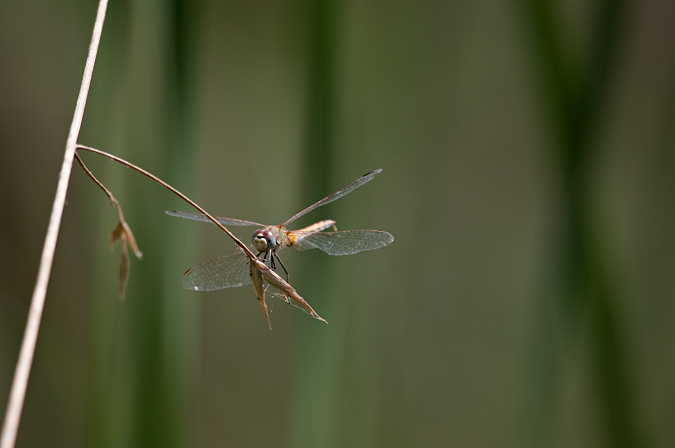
{"type": "Point", "coordinates": [122, 231]}
{"type": "Point", "coordinates": [107, 192]}
{"type": "Point", "coordinates": [115, 203]}
{"type": "Point", "coordinates": [271, 276]}
{"type": "Point", "coordinates": [23, 365]}
{"type": "Point", "coordinates": [173, 190]}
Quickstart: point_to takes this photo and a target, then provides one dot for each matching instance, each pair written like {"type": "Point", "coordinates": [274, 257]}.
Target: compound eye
{"type": "Point", "coordinates": [263, 240]}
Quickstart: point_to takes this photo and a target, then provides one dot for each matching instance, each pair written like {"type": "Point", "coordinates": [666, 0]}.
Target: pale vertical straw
{"type": "Point", "coordinates": [23, 365]}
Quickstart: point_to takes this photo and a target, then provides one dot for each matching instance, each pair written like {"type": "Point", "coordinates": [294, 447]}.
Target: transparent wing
{"type": "Point", "coordinates": [337, 195]}
{"type": "Point", "coordinates": [202, 217]}
{"type": "Point", "coordinates": [229, 271]}
{"type": "Point", "coordinates": [346, 242]}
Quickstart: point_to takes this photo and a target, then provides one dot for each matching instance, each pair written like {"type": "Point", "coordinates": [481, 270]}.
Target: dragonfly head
{"type": "Point", "coordinates": [263, 240]}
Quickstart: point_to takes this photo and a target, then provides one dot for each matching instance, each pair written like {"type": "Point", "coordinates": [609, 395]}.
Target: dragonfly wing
{"type": "Point", "coordinates": [336, 195]}
{"type": "Point", "coordinates": [202, 217]}
{"type": "Point", "coordinates": [346, 242]}
{"type": "Point", "coordinates": [229, 271]}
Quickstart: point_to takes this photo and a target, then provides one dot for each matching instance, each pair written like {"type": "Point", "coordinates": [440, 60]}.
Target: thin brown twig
{"type": "Point", "coordinates": [115, 203]}
{"type": "Point", "coordinates": [173, 190]}
{"type": "Point", "coordinates": [21, 374]}
{"type": "Point", "coordinates": [122, 231]}
{"type": "Point", "coordinates": [107, 192]}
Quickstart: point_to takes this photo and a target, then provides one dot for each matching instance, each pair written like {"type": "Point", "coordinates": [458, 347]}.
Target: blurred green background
{"type": "Point", "coordinates": [528, 177]}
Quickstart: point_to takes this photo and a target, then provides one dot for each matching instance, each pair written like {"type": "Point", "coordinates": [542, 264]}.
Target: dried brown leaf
{"type": "Point", "coordinates": [122, 233]}
{"type": "Point", "coordinates": [259, 286]}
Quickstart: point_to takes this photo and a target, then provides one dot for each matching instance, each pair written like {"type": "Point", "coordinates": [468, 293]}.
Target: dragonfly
{"type": "Point", "coordinates": [233, 270]}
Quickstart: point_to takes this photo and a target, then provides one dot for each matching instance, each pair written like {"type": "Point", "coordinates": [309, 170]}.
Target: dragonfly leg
{"type": "Point", "coordinates": [274, 255]}
{"type": "Point", "coordinates": [264, 258]}
{"type": "Point", "coordinates": [273, 264]}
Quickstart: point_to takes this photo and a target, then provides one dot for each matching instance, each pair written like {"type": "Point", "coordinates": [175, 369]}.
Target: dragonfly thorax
{"type": "Point", "coordinates": [264, 240]}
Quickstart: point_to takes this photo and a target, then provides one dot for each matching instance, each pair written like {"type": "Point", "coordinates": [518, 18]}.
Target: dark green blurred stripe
{"type": "Point", "coordinates": [582, 286]}
{"type": "Point", "coordinates": [144, 348]}
{"type": "Point", "coordinates": [318, 348]}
